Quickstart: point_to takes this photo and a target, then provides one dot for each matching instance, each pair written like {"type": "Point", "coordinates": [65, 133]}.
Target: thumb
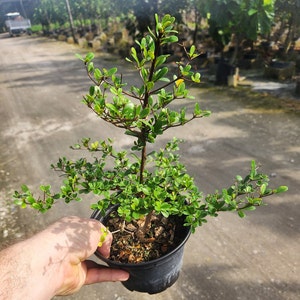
{"type": "Point", "coordinates": [99, 273]}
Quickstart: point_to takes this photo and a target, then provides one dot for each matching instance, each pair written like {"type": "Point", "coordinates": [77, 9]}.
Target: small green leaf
{"type": "Point", "coordinates": [196, 77]}
{"type": "Point", "coordinates": [253, 170]}
{"type": "Point", "coordinates": [263, 188]}
{"type": "Point", "coordinates": [252, 11]}
{"type": "Point", "coordinates": [128, 110]}
{"type": "Point", "coordinates": [149, 85]}
{"type": "Point", "coordinates": [239, 178]}
{"type": "Point", "coordinates": [192, 50]}
{"type": "Point", "coordinates": [36, 206]}
{"type": "Point", "coordinates": [160, 73]}
{"type": "Point", "coordinates": [112, 108]}
{"type": "Point", "coordinates": [197, 110]}
{"type": "Point", "coordinates": [144, 113]}
{"type": "Point", "coordinates": [132, 133]}
{"type": "Point", "coordinates": [90, 67]}
{"type": "Point", "coordinates": [160, 60]}
{"type": "Point", "coordinates": [97, 74]}
{"type": "Point", "coordinates": [80, 57]}
{"type": "Point", "coordinates": [170, 39]}
{"type": "Point", "coordinates": [251, 208]}
{"type": "Point", "coordinates": [94, 146]}
{"type": "Point", "coordinates": [92, 90]}
{"type": "Point", "coordinates": [134, 54]}
{"type": "Point", "coordinates": [111, 72]}
{"type": "Point", "coordinates": [241, 214]}
{"type": "Point", "coordinates": [281, 189]}
{"type": "Point", "coordinates": [90, 56]}
{"type": "Point", "coordinates": [24, 188]}
{"type": "Point", "coordinates": [18, 202]}
{"type": "Point", "coordinates": [165, 213]}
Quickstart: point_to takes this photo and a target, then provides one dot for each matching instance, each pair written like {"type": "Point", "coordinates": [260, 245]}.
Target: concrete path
{"type": "Point", "coordinates": [257, 258]}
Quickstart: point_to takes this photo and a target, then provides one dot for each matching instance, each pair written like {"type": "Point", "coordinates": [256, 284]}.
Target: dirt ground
{"type": "Point", "coordinates": [257, 258]}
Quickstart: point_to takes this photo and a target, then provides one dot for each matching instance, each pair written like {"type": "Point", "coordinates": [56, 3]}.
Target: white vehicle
{"type": "Point", "coordinates": [16, 24]}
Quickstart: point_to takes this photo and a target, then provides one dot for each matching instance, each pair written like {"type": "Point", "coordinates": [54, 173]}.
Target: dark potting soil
{"type": "Point", "coordinates": [160, 239]}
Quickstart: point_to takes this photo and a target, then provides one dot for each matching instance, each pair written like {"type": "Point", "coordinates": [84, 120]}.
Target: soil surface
{"type": "Point", "coordinates": [41, 87]}
{"type": "Point", "coordinates": [131, 246]}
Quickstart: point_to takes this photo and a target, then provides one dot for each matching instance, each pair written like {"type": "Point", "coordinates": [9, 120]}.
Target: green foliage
{"type": "Point", "coordinates": [143, 183]}
{"type": "Point", "coordinates": [143, 110]}
{"type": "Point", "coordinates": [244, 18]}
{"type": "Point", "coordinates": [49, 12]}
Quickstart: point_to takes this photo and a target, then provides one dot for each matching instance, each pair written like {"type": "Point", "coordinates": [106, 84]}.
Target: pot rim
{"type": "Point", "coordinates": [97, 215]}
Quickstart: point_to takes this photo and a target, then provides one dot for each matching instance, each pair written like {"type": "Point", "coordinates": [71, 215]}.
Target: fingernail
{"type": "Point", "coordinates": [124, 276]}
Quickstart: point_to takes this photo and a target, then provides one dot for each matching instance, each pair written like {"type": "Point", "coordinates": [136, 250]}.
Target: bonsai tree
{"type": "Point", "coordinates": [145, 183]}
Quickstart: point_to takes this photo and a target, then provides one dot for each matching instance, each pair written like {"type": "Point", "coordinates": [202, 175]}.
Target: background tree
{"type": "Point", "coordinates": [88, 12]}
{"type": "Point", "coordinates": [144, 10]}
{"type": "Point", "coordinates": [50, 12]}
{"type": "Point", "coordinates": [199, 9]}
{"type": "Point", "coordinates": [239, 19]}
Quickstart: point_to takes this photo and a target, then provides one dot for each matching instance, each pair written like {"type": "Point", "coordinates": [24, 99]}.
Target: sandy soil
{"type": "Point", "coordinates": [41, 85]}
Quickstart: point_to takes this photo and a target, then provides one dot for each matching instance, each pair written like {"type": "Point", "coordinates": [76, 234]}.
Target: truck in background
{"type": "Point", "coordinates": [16, 24]}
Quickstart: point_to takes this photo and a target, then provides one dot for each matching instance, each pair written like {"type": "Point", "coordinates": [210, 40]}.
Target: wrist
{"type": "Point", "coordinates": [43, 266]}
{"type": "Point", "coordinates": [48, 252]}
{"type": "Point", "coordinates": [26, 272]}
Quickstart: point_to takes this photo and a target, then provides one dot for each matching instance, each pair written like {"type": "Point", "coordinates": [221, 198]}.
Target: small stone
{"type": "Point", "coordinates": [158, 231]}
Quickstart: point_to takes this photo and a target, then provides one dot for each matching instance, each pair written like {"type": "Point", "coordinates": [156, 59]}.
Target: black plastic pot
{"type": "Point", "coordinates": [224, 70]}
{"type": "Point", "coordinates": [153, 276]}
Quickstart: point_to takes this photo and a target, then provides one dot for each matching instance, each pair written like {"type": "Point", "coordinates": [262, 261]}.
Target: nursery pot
{"type": "Point", "coordinates": [152, 276]}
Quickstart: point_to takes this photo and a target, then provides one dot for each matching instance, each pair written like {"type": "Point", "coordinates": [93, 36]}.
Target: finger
{"type": "Point", "coordinates": [97, 273]}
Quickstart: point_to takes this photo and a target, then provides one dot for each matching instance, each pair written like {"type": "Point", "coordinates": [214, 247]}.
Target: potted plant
{"type": "Point", "coordinates": [145, 195]}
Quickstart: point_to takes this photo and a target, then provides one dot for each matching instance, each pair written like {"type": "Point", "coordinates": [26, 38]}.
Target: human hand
{"type": "Point", "coordinates": [54, 261]}
{"type": "Point", "coordinates": [72, 240]}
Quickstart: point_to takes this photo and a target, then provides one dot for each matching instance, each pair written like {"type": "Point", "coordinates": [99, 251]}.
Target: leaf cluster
{"type": "Point", "coordinates": [168, 190]}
